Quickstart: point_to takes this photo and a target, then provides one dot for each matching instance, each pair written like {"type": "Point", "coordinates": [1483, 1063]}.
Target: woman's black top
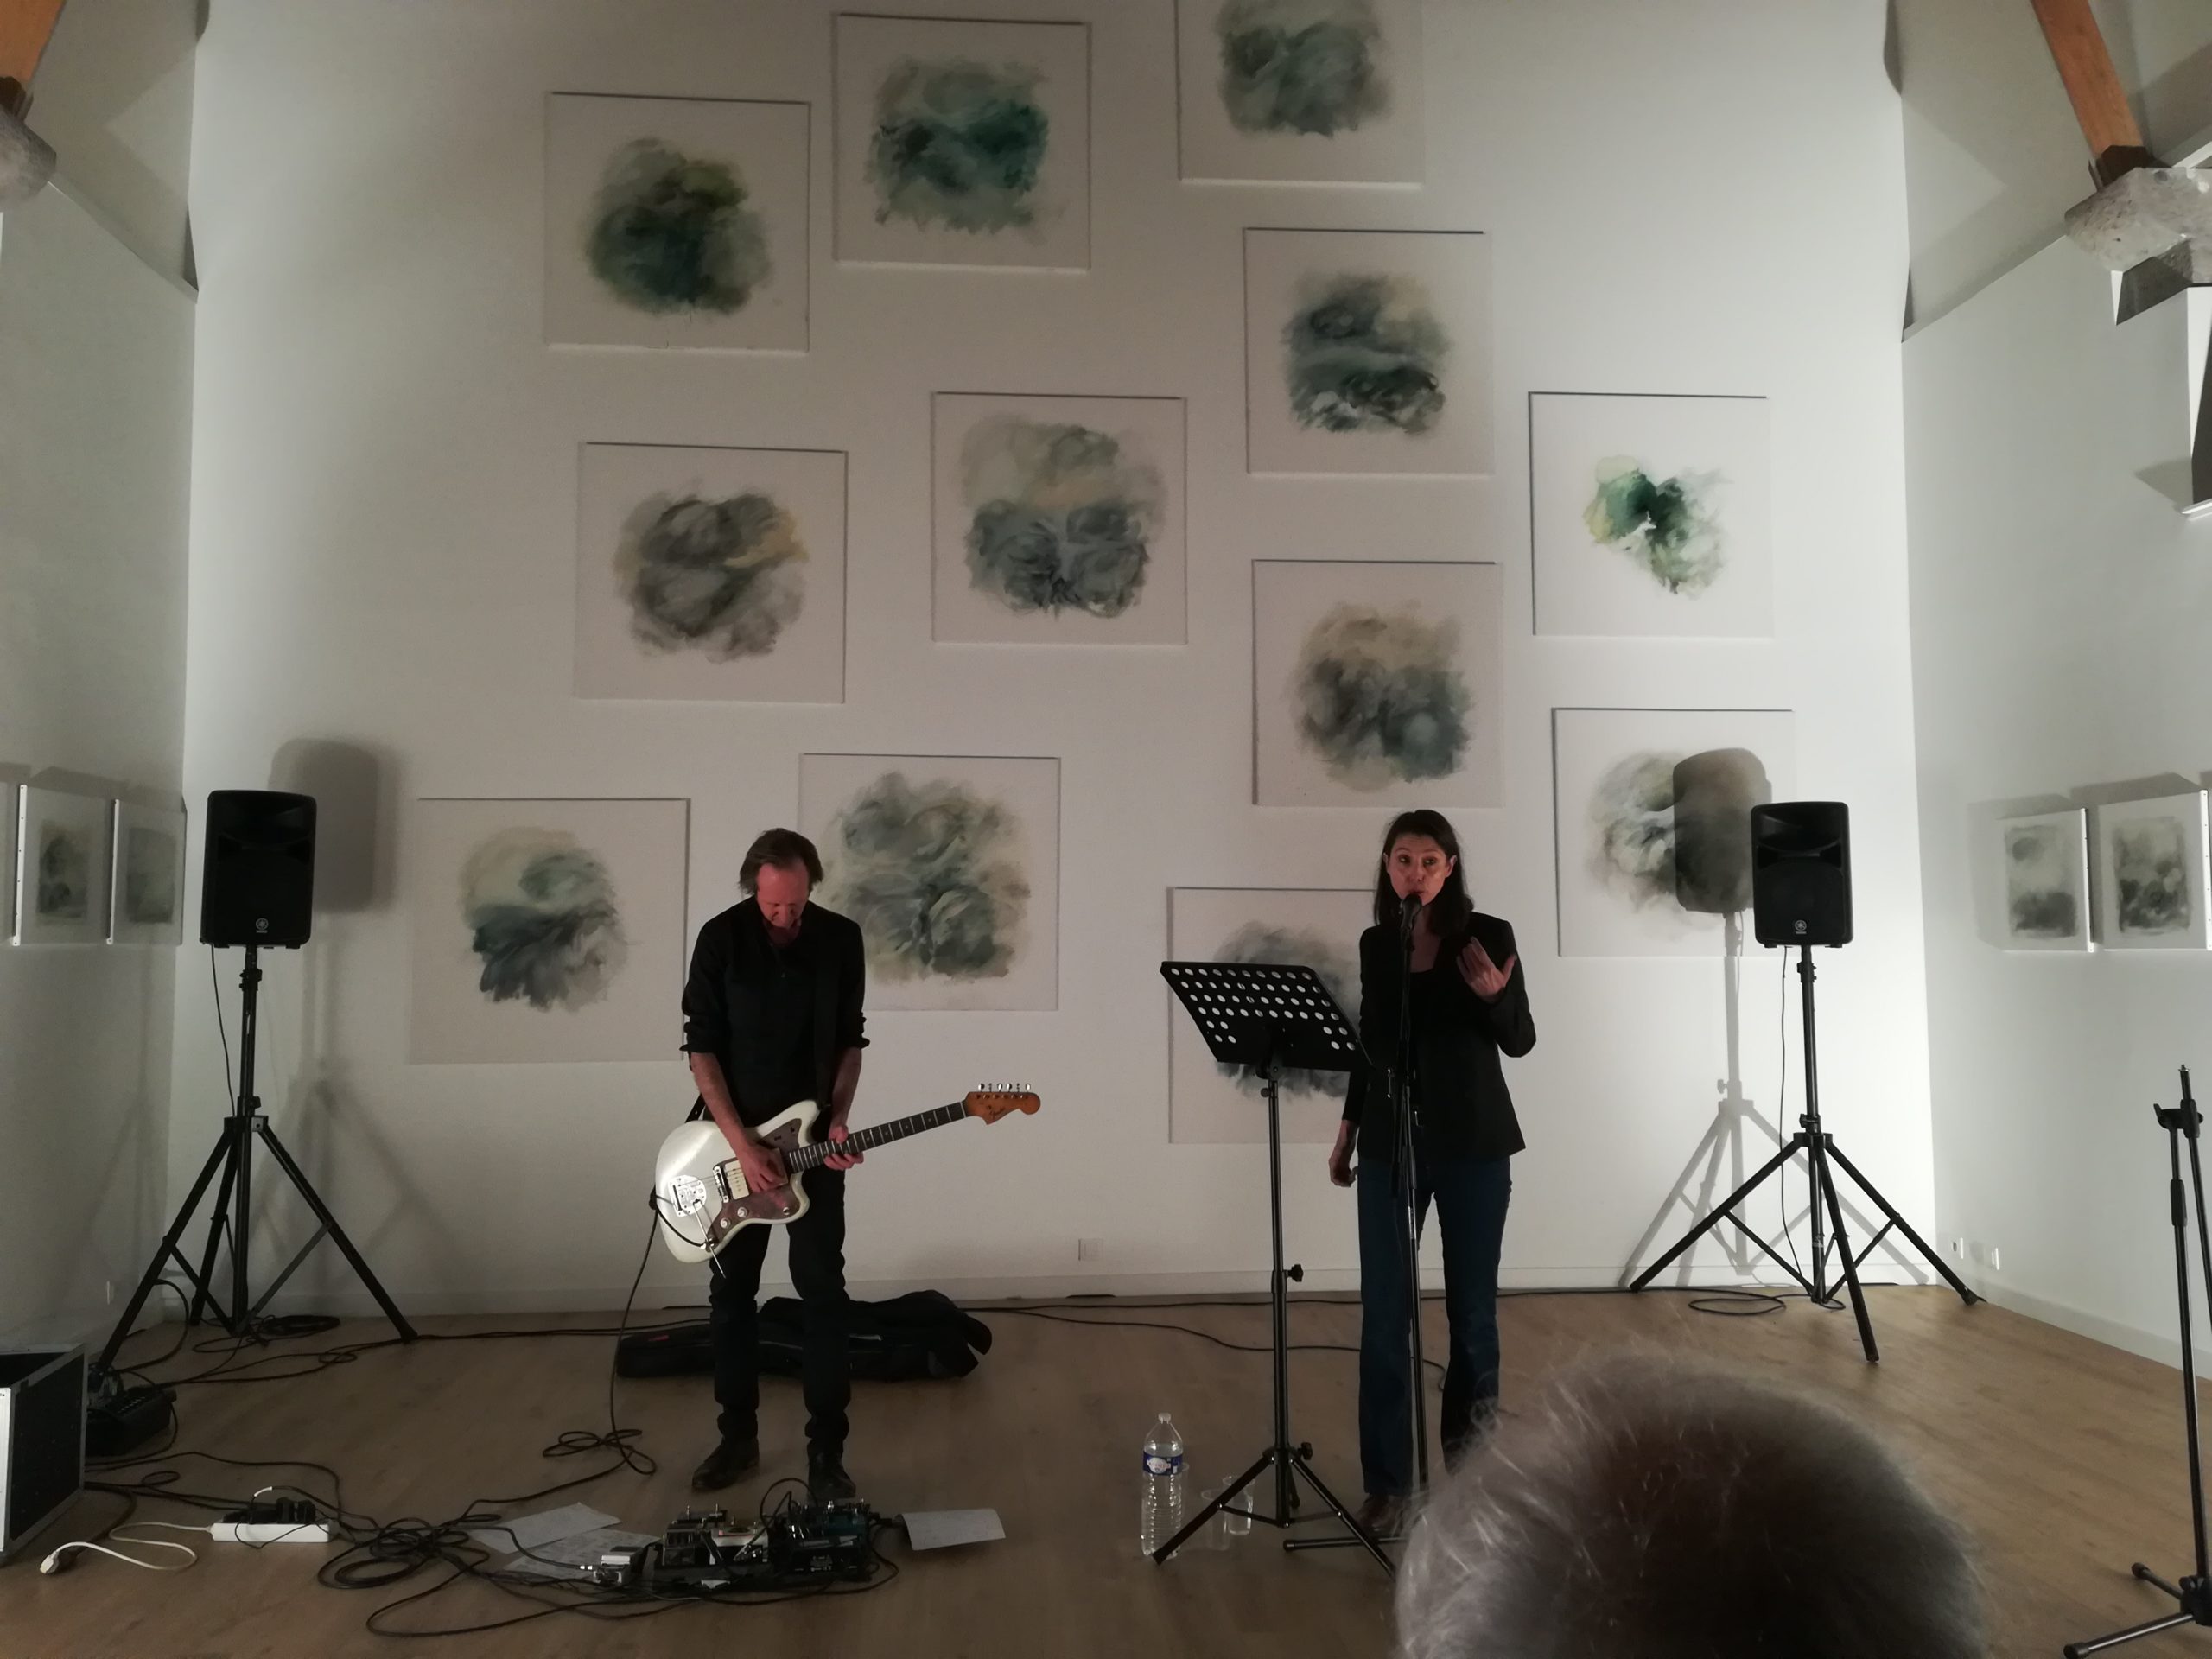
{"type": "Point", "coordinates": [1462, 1107]}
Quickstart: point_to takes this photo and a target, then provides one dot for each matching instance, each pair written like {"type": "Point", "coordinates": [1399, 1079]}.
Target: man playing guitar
{"type": "Point", "coordinates": [771, 1016]}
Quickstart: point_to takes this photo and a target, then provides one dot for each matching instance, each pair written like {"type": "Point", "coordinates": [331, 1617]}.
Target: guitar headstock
{"type": "Point", "coordinates": [994, 1100]}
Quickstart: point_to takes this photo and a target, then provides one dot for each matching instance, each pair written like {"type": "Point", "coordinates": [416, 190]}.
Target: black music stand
{"type": "Point", "coordinates": [1268, 1016]}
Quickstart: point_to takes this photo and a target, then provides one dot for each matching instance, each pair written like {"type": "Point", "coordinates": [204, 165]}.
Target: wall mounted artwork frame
{"type": "Point", "coordinates": [951, 866]}
{"type": "Point", "coordinates": [1315, 927]}
{"type": "Point", "coordinates": [146, 876]}
{"type": "Point", "coordinates": [1650, 515]}
{"type": "Point", "coordinates": [62, 868]}
{"type": "Point", "coordinates": [1058, 520]}
{"type": "Point", "coordinates": [1323, 91]}
{"type": "Point", "coordinates": [1367, 352]}
{"type": "Point", "coordinates": [1376, 683]}
{"type": "Point", "coordinates": [547, 929]}
{"type": "Point", "coordinates": [1651, 816]}
{"type": "Point", "coordinates": [677, 223]}
{"type": "Point", "coordinates": [2043, 863]}
{"type": "Point", "coordinates": [963, 143]}
{"type": "Point", "coordinates": [2153, 881]}
{"type": "Point", "coordinates": [710, 574]}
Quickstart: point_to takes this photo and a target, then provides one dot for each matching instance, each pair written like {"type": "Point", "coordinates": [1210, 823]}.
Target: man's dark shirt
{"type": "Point", "coordinates": [777, 1017]}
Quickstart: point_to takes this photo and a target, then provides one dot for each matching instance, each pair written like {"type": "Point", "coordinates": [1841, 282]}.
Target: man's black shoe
{"type": "Point", "coordinates": [725, 1464]}
{"type": "Point", "coordinates": [826, 1477]}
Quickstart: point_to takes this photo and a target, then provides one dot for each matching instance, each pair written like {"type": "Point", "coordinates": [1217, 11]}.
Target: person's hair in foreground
{"type": "Point", "coordinates": [1647, 1509]}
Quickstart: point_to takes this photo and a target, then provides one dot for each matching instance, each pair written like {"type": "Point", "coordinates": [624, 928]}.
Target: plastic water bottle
{"type": "Point", "coordinates": [1162, 1514]}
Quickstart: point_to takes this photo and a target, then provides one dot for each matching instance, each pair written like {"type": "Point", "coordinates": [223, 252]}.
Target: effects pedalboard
{"type": "Point", "coordinates": [797, 1547]}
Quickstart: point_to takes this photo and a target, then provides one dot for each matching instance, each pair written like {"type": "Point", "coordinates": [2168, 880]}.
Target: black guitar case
{"type": "Point", "coordinates": [924, 1333]}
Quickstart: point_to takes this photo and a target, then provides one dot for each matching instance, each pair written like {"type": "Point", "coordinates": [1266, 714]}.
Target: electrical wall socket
{"type": "Point", "coordinates": [1958, 1249]}
{"type": "Point", "coordinates": [1089, 1250]}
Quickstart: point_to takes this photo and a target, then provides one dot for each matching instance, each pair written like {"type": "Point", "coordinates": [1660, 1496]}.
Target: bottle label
{"type": "Point", "coordinates": [1157, 1463]}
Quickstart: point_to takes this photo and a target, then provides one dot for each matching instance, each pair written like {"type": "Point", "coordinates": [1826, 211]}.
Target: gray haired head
{"type": "Point", "coordinates": [1653, 1509]}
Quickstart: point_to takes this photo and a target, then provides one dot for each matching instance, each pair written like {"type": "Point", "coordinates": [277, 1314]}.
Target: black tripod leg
{"type": "Point", "coordinates": [1215, 1508]}
{"type": "Point", "coordinates": [1796, 1145]}
{"type": "Point", "coordinates": [1902, 1224]}
{"type": "Point", "coordinates": [330, 1225]}
{"type": "Point", "coordinates": [2082, 1650]}
{"type": "Point", "coordinates": [219, 1220]}
{"type": "Point", "coordinates": [1824, 1179]}
{"type": "Point", "coordinates": [162, 1252]}
{"type": "Point", "coordinates": [1367, 1540]}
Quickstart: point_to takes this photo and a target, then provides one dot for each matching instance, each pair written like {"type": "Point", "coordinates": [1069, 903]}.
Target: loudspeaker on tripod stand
{"type": "Point", "coordinates": [257, 882]}
{"type": "Point", "coordinates": [1801, 873]}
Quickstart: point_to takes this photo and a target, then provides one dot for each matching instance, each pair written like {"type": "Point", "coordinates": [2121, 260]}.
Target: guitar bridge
{"type": "Point", "coordinates": [721, 1182]}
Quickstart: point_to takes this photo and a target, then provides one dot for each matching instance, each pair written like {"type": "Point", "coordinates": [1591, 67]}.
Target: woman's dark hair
{"type": "Point", "coordinates": [785, 849]}
{"type": "Point", "coordinates": [1452, 910]}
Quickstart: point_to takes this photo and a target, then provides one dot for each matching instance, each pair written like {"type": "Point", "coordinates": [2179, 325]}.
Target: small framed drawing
{"type": "Point", "coordinates": [2151, 874]}
{"type": "Point", "coordinates": [2046, 881]}
{"type": "Point", "coordinates": [146, 876]}
{"type": "Point", "coordinates": [61, 868]}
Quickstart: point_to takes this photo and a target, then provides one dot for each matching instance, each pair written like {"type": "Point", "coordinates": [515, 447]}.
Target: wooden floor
{"type": "Point", "coordinates": [2063, 1458]}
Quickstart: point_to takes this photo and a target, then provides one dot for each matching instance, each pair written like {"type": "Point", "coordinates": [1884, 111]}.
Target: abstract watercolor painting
{"type": "Point", "coordinates": [61, 875]}
{"type": "Point", "coordinates": [962, 143]}
{"type": "Point", "coordinates": [709, 573]}
{"type": "Point", "coordinates": [950, 865]}
{"type": "Point", "coordinates": [1376, 683]}
{"type": "Point", "coordinates": [676, 222]}
{"type": "Point", "coordinates": [2151, 885]}
{"type": "Point", "coordinates": [1652, 814]}
{"type": "Point", "coordinates": [1650, 515]}
{"type": "Point", "coordinates": [1321, 91]}
{"type": "Point", "coordinates": [2044, 861]}
{"type": "Point", "coordinates": [1317, 928]}
{"type": "Point", "coordinates": [1367, 352]}
{"type": "Point", "coordinates": [146, 877]}
{"type": "Point", "coordinates": [1059, 521]}
{"type": "Point", "coordinates": [547, 930]}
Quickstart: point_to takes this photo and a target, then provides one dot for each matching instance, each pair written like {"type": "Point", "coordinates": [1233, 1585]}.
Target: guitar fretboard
{"type": "Point", "coordinates": [811, 1156]}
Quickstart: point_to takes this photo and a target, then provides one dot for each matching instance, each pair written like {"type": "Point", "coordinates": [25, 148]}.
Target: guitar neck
{"type": "Point", "coordinates": [810, 1156]}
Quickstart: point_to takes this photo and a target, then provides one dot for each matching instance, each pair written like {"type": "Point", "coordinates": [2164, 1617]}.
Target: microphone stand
{"type": "Point", "coordinates": [1406, 1185]}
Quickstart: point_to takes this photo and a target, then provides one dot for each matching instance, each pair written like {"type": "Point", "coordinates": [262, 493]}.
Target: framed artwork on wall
{"type": "Point", "coordinates": [962, 143]}
{"type": "Point", "coordinates": [710, 574]}
{"type": "Point", "coordinates": [951, 866]}
{"type": "Point", "coordinates": [1652, 811]}
{"type": "Point", "coordinates": [61, 880]}
{"type": "Point", "coordinates": [1376, 683]}
{"type": "Point", "coordinates": [2151, 886]}
{"type": "Point", "coordinates": [1367, 352]}
{"type": "Point", "coordinates": [1059, 521]}
{"type": "Point", "coordinates": [2045, 862]}
{"type": "Point", "coordinates": [677, 223]}
{"type": "Point", "coordinates": [146, 880]}
{"type": "Point", "coordinates": [1649, 515]}
{"type": "Point", "coordinates": [547, 930]}
{"type": "Point", "coordinates": [1317, 928]}
{"type": "Point", "coordinates": [1326, 91]}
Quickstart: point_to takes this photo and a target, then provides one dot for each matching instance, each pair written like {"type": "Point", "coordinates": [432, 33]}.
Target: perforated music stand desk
{"type": "Point", "coordinates": [1269, 1015]}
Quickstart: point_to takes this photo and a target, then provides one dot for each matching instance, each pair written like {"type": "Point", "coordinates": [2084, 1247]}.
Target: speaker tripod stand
{"type": "Point", "coordinates": [233, 1160]}
{"type": "Point", "coordinates": [1818, 1148]}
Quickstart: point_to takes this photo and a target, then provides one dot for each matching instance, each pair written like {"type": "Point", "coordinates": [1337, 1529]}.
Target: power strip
{"type": "Point", "coordinates": [270, 1532]}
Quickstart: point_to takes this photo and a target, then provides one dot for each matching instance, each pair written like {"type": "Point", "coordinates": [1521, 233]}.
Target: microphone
{"type": "Point", "coordinates": [1409, 908]}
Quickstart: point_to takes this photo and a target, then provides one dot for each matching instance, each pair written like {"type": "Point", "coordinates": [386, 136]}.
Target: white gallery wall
{"type": "Point", "coordinates": [2060, 606]}
{"type": "Point", "coordinates": [95, 411]}
{"type": "Point", "coordinates": [382, 582]}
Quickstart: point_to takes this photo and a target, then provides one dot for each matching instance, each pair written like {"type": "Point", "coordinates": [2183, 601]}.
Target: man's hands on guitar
{"type": "Point", "coordinates": [841, 1159]}
{"type": "Point", "coordinates": [761, 1165]}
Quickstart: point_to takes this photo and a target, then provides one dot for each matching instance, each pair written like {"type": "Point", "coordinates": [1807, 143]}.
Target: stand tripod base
{"type": "Point", "coordinates": [2194, 1595]}
{"type": "Point", "coordinates": [1291, 1464]}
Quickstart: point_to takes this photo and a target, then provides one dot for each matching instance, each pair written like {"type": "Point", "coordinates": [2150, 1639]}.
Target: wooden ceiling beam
{"type": "Point", "coordinates": [2092, 84]}
{"type": "Point", "coordinates": [25, 27]}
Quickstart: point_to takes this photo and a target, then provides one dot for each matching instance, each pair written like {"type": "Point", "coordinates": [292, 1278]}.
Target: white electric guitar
{"type": "Point", "coordinates": [700, 1193]}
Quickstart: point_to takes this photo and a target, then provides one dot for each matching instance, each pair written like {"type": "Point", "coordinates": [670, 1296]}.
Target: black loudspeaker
{"type": "Point", "coordinates": [1801, 873]}
{"type": "Point", "coordinates": [257, 885]}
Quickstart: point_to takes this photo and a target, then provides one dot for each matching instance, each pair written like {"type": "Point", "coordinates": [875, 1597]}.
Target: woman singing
{"type": "Point", "coordinates": [1470, 1004]}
